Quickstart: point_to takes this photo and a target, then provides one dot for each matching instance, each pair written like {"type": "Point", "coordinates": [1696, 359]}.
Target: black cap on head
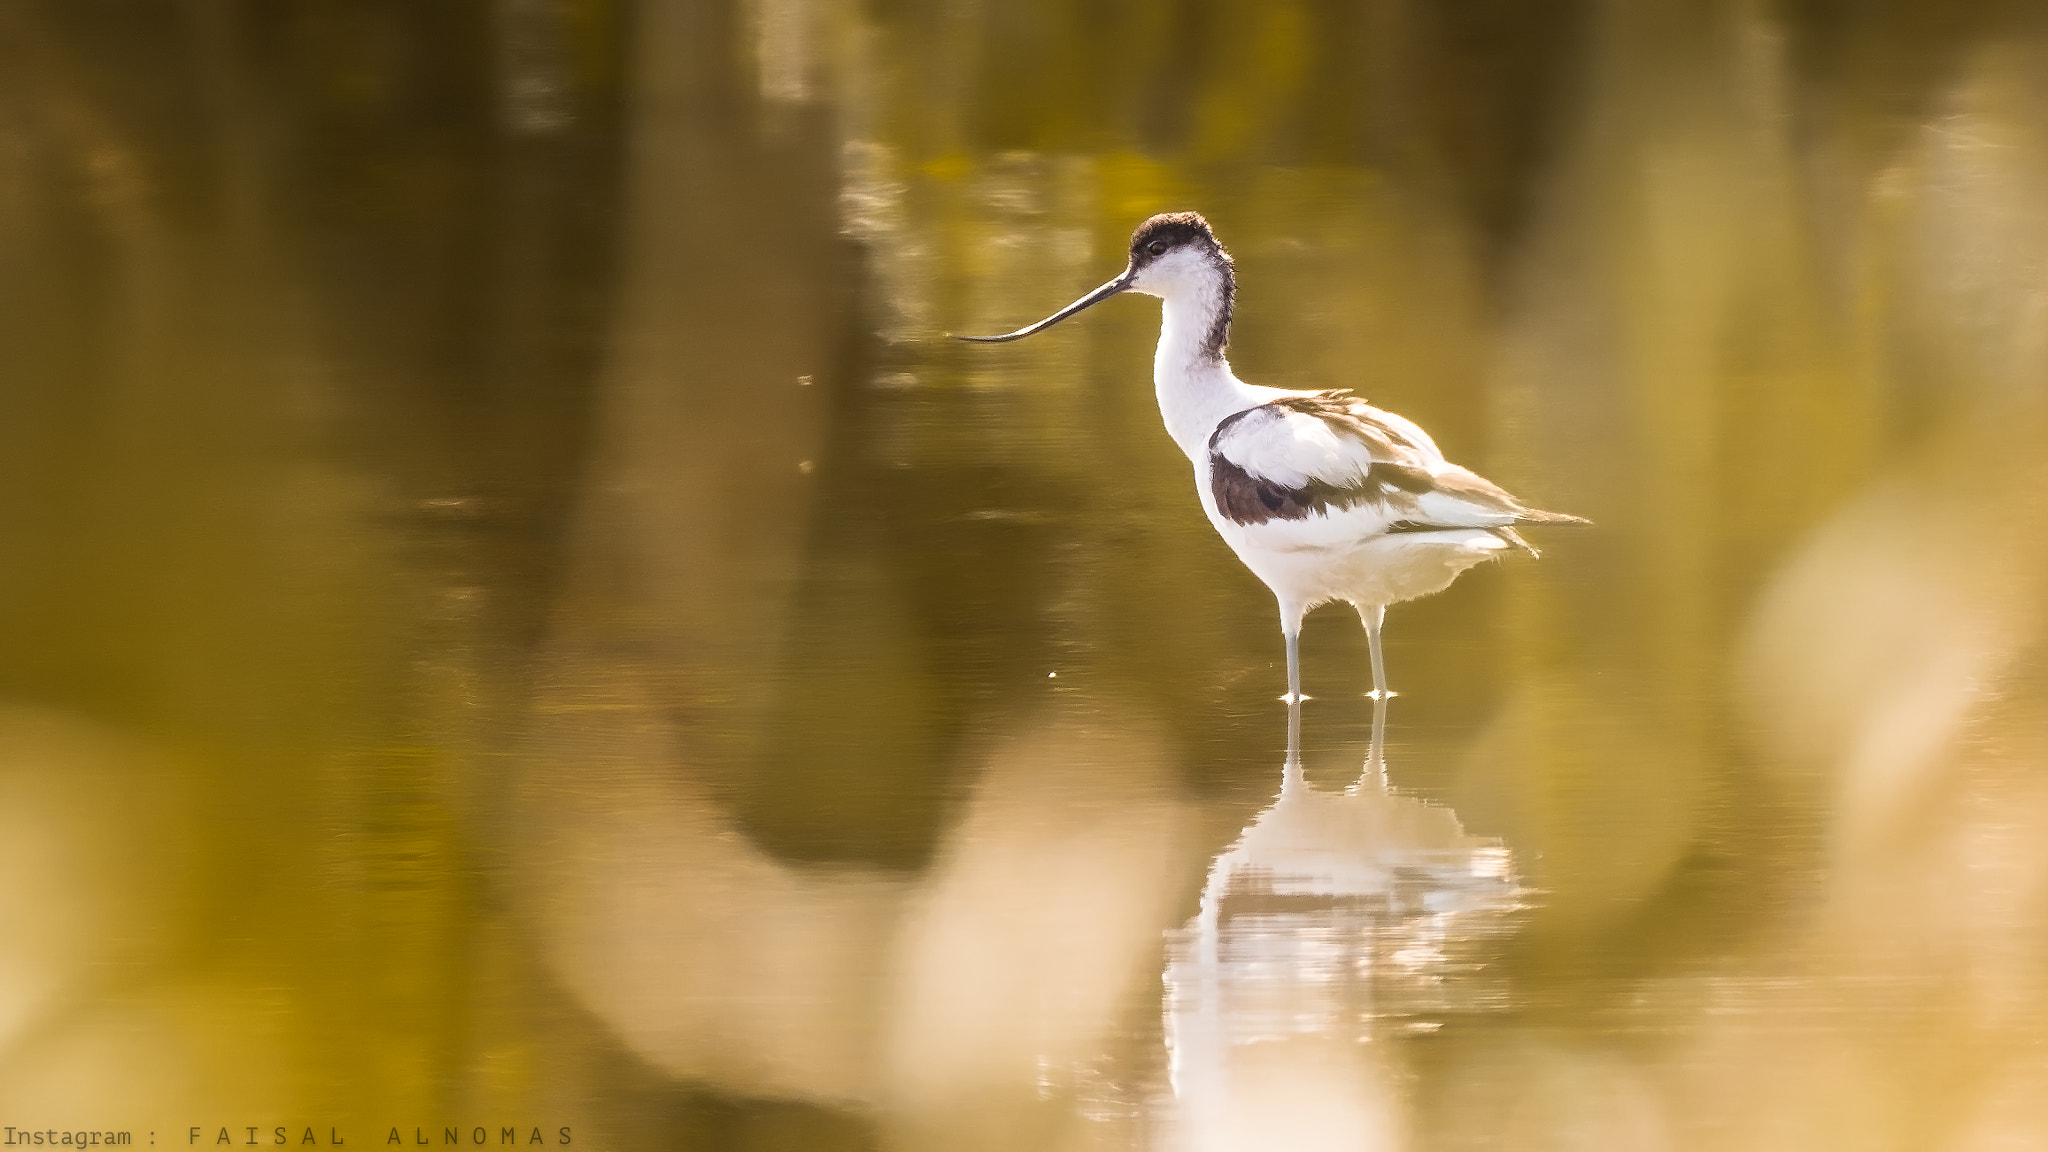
{"type": "Point", "coordinates": [1170, 230]}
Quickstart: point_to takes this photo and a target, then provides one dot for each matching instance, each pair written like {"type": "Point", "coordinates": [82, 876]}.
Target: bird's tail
{"type": "Point", "coordinates": [1534, 516]}
{"type": "Point", "coordinates": [1539, 516]}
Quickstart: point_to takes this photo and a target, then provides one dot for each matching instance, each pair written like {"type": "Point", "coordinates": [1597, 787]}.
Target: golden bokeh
{"type": "Point", "coordinates": [513, 617]}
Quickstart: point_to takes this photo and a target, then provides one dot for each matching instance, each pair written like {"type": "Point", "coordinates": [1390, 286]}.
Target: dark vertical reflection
{"type": "Point", "coordinates": [728, 652]}
{"type": "Point", "coordinates": [298, 339]}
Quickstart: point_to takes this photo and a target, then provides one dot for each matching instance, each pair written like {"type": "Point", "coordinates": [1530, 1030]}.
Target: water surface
{"type": "Point", "coordinates": [516, 616]}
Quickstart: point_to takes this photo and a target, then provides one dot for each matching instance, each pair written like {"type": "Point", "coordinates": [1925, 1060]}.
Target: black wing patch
{"type": "Point", "coordinates": [1248, 499]}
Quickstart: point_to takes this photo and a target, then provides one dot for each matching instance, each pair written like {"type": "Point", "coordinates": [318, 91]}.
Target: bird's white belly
{"type": "Point", "coordinates": [1350, 556]}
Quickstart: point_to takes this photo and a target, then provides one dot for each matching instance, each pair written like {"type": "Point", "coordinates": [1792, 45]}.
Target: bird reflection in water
{"type": "Point", "coordinates": [1339, 922]}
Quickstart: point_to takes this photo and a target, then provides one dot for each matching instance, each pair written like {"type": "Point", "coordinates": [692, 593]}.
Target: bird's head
{"type": "Point", "coordinates": [1174, 251]}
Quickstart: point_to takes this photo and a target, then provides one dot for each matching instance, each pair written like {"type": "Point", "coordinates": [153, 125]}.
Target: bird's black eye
{"type": "Point", "coordinates": [1157, 247]}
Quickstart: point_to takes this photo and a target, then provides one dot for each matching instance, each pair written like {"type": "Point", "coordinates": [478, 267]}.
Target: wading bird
{"type": "Point", "coordinates": [1323, 496]}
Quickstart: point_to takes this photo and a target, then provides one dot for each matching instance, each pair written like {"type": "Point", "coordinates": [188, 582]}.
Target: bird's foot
{"type": "Point", "coordinates": [1377, 694]}
{"type": "Point", "coordinates": [1294, 697]}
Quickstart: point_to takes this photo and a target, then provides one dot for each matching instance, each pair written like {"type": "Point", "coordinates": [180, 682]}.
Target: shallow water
{"type": "Point", "coordinates": [517, 619]}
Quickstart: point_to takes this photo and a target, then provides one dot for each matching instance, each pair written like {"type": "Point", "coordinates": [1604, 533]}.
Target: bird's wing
{"type": "Point", "coordinates": [1315, 454]}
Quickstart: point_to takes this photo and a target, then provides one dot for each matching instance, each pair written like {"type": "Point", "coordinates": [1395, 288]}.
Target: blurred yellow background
{"type": "Point", "coordinates": [512, 614]}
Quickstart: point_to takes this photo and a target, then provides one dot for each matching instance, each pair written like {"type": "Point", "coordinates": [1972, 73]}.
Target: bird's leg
{"type": "Point", "coordinates": [1294, 696]}
{"type": "Point", "coordinates": [1372, 616]}
{"type": "Point", "coordinates": [1290, 628]}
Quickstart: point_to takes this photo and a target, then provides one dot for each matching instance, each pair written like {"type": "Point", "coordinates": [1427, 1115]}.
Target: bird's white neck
{"type": "Point", "coordinates": [1190, 375]}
